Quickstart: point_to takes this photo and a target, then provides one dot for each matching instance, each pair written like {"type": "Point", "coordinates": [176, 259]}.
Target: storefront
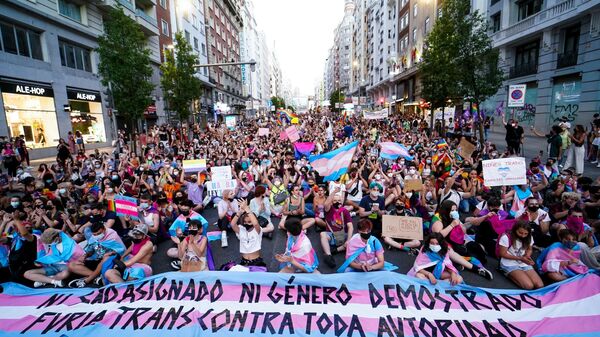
{"type": "Point", "coordinates": [86, 114]}
{"type": "Point", "coordinates": [30, 111]}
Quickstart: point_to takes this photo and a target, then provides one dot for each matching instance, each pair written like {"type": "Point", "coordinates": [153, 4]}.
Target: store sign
{"type": "Point", "coordinates": [80, 95]}
{"type": "Point", "coordinates": [27, 89]}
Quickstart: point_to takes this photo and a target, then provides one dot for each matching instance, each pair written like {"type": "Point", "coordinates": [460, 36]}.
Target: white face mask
{"type": "Point", "coordinates": [454, 215]}
{"type": "Point", "coordinates": [435, 248]}
{"type": "Point", "coordinates": [412, 171]}
{"type": "Point", "coordinates": [99, 236]}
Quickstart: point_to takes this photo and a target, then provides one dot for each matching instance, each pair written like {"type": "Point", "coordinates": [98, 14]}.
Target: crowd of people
{"type": "Point", "coordinates": [59, 226]}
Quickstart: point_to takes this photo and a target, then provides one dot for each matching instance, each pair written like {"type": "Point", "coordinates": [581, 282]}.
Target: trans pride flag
{"type": "Point", "coordinates": [391, 151]}
{"type": "Point", "coordinates": [126, 206]}
{"type": "Point", "coordinates": [332, 165]}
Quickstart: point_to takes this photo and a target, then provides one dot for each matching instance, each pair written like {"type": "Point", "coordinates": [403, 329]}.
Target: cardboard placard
{"type": "Point", "coordinates": [504, 172]}
{"type": "Point", "coordinates": [292, 133]}
{"type": "Point", "coordinates": [221, 173]}
{"type": "Point", "coordinates": [466, 149]}
{"type": "Point", "coordinates": [263, 131]}
{"type": "Point", "coordinates": [402, 227]}
{"type": "Point", "coordinates": [193, 166]}
{"type": "Point", "coordinates": [413, 185]}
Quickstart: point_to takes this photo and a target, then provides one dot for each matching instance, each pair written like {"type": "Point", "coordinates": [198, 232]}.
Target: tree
{"type": "Point", "coordinates": [291, 108]}
{"type": "Point", "coordinates": [278, 102]}
{"type": "Point", "coordinates": [439, 69]}
{"type": "Point", "coordinates": [125, 66]}
{"type": "Point", "coordinates": [180, 85]}
{"type": "Point", "coordinates": [336, 97]}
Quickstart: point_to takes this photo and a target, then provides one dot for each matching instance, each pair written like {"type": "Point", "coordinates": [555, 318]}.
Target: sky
{"type": "Point", "coordinates": [302, 31]}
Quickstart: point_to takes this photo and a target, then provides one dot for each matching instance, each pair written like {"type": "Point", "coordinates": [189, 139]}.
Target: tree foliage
{"type": "Point", "coordinates": [180, 85]}
{"type": "Point", "coordinates": [125, 64]}
{"type": "Point", "coordinates": [336, 97]}
{"type": "Point", "coordinates": [278, 102]}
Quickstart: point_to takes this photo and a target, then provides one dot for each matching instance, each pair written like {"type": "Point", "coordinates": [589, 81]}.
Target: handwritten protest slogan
{"type": "Point", "coordinates": [402, 227]}
{"type": "Point", "coordinates": [267, 304]}
{"type": "Point", "coordinates": [466, 149]}
{"type": "Point", "coordinates": [504, 172]}
{"type": "Point", "coordinates": [413, 185]}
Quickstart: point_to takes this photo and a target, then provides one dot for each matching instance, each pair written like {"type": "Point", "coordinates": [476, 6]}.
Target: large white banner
{"type": "Point", "coordinates": [380, 114]}
{"type": "Point", "coordinates": [504, 172]}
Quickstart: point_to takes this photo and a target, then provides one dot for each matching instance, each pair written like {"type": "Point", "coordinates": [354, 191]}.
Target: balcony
{"type": "Point", "coordinates": [523, 70]}
{"type": "Point", "coordinates": [148, 23]}
{"type": "Point", "coordinates": [568, 59]}
{"type": "Point", "coordinates": [548, 17]}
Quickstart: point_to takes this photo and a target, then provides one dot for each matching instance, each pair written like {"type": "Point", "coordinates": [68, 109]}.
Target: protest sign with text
{"type": "Point", "coordinates": [221, 173]}
{"type": "Point", "coordinates": [216, 187]}
{"type": "Point", "coordinates": [292, 133]}
{"type": "Point", "coordinates": [504, 172]}
{"type": "Point", "coordinates": [411, 185]}
{"type": "Point", "coordinates": [402, 227]}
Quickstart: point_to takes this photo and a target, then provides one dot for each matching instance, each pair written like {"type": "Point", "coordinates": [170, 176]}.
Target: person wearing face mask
{"type": "Point", "coordinates": [194, 187]}
{"type": "Point", "coordinates": [514, 250]}
{"type": "Point", "coordinates": [560, 260]}
{"type": "Point", "coordinates": [299, 255]}
{"type": "Point", "coordinates": [514, 135]}
{"type": "Point", "coordinates": [149, 216]}
{"type": "Point", "coordinates": [15, 205]}
{"type": "Point", "coordinates": [433, 262]}
{"type": "Point", "coordinates": [372, 207]}
{"type": "Point", "coordinates": [364, 251]}
{"type": "Point", "coordinates": [103, 244]}
{"type": "Point", "coordinates": [23, 248]}
{"type": "Point", "coordinates": [471, 255]}
{"type": "Point", "coordinates": [247, 229]}
{"type": "Point", "coordinates": [338, 228]}
{"type": "Point", "coordinates": [226, 207]}
{"type": "Point", "coordinates": [539, 221]}
{"type": "Point", "coordinates": [194, 248]}
{"type": "Point", "coordinates": [179, 228]}
{"type": "Point", "coordinates": [59, 250]}
{"type": "Point", "coordinates": [278, 194]}
{"type": "Point", "coordinates": [135, 263]}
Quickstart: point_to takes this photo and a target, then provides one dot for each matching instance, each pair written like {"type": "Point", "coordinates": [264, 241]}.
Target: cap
{"type": "Point", "coordinates": [139, 229]}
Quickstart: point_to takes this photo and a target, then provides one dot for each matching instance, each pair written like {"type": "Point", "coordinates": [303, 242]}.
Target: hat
{"type": "Point", "coordinates": [139, 229]}
{"type": "Point", "coordinates": [565, 125]}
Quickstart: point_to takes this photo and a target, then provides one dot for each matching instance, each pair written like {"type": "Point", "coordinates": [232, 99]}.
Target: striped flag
{"type": "Point", "coordinates": [332, 165]}
{"type": "Point", "coordinates": [126, 206]}
{"type": "Point", "coordinates": [441, 143]}
{"type": "Point", "coordinates": [193, 166]}
{"type": "Point", "coordinates": [303, 149]}
{"type": "Point", "coordinates": [391, 150]}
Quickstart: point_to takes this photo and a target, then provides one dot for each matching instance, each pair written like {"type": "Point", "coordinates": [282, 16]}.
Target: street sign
{"type": "Point", "coordinates": [516, 95]}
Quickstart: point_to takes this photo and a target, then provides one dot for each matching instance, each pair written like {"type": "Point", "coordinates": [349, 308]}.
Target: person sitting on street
{"type": "Point", "coordinates": [250, 234]}
{"type": "Point", "coordinates": [299, 255]}
{"type": "Point", "coordinates": [364, 251]}
{"type": "Point", "coordinates": [193, 248]}
{"type": "Point", "coordinates": [135, 263]}
{"type": "Point", "coordinates": [433, 262]}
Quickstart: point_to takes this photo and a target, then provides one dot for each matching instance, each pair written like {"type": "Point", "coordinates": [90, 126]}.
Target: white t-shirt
{"type": "Point", "coordinates": [514, 250]}
{"type": "Point", "coordinates": [453, 196]}
{"type": "Point", "coordinates": [357, 197]}
{"type": "Point", "coordinates": [250, 242]}
{"type": "Point", "coordinates": [329, 133]}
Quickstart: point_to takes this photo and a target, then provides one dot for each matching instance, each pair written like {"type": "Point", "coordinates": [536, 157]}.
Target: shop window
{"type": "Point", "coordinates": [76, 57]}
{"type": "Point", "coordinates": [33, 117]}
{"type": "Point", "coordinates": [86, 117]}
{"type": "Point", "coordinates": [69, 9]}
{"type": "Point", "coordinates": [20, 41]}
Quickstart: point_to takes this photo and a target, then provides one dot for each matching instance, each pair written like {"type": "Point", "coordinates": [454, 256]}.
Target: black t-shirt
{"type": "Point", "coordinates": [513, 134]}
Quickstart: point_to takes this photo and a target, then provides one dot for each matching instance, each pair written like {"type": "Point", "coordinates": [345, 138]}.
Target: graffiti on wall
{"type": "Point", "coordinates": [565, 100]}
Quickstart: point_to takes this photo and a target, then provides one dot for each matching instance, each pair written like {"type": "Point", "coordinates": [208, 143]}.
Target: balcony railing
{"type": "Point", "coordinates": [126, 3]}
{"type": "Point", "coordinates": [145, 16]}
{"type": "Point", "coordinates": [523, 70]}
{"type": "Point", "coordinates": [568, 59]}
{"type": "Point", "coordinates": [538, 19]}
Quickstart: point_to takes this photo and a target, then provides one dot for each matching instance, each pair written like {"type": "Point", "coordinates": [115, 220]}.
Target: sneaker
{"type": "Point", "coordinates": [176, 264]}
{"type": "Point", "coordinates": [78, 283]}
{"type": "Point", "coordinates": [485, 273]}
{"type": "Point", "coordinates": [98, 281]}
{"type": "Point", "coordinates": [37, 284]}
{"type": "Point", "coordinates": [594, 162]}
{"type": "Point", "coordinates": [329, 261]}
{"type": "Point", "coordinates": [224, 239]}
{"type": "Point", "coordinates": [206, 200]}
{"type": "Point", "coordinates": [57, 283]}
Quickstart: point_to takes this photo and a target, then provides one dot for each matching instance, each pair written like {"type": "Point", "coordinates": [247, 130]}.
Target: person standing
{"type": "Point", "coordinates": [514, 135]}
{"type": "Point", "coordinates": [576, 153]}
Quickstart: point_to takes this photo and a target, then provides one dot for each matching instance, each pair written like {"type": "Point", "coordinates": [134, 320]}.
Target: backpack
{"type": "Point", "coordinates": [279, 196]}
{"type": "Point", "coordinates": [498, 244]}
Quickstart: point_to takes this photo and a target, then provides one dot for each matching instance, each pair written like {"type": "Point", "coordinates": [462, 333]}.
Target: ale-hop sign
{"type": "Point", "coordinates": [504, 172]}
{"type": "Point", "coordinates": [402, 227]}
{"type": "Point", "coordinates": [370, 304]}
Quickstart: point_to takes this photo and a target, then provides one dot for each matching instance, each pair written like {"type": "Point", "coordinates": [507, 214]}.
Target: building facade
{"type": "Point", "coordinates": [554, 48]}
{"type": "Point", "coordinates": [223, 28]}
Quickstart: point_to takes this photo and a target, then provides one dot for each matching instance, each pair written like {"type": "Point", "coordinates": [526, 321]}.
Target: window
{"type": "Point", "coordinates": [203, 49]}
{"type": "Point", "coordinates": [165, 27]}
{"type": "Point", "coordinates": [426, 27]}
{"type": "Point", "coordinates": [20, 41]}
{"type": "Point", "coordinates": [69, 9]}
{"type": "Point", "coordinates": [572, 40]}
{"type": "Point", "coordinates": [527, 54]}
{"type": "Point", "coordinates": [187, 36]}
{"type": "Point", "coordinates": [73, 56]}
{"type": "Point", "coordinates": [404, 21]}
{"type": "Point", "coordinates": [194, 21]}
{"type": "Point", "coordinates": [495, 24]}
{"type": "Point", "coordinates": [196, 44]}
{"type": "Point", "coordinates": [415, 9]}
{"type": "Point", "coordinates": [163, 4]}
{"type": "Point", "coordinates": [529, 7]}
{"type": "Point", "coordinates": [414, 35]}
{"type": "Point", "coordinates": [493, 2]}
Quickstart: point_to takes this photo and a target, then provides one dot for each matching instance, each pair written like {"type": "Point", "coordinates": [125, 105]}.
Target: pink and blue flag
{"type": "Point", "coordinates": [391, 151]}
{"type": "Point", "coordinates": [126, 206]}
{"type": "Point", "coordinates": [332, 165]}
{"type": "Point", "coordinates": [303, 149]}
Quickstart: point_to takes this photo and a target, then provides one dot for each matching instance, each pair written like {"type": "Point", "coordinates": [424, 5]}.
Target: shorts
{"type": "Point", "coordinates": [55, 268]}
{"type": "Point", "coordinates": [509, 269]}
{"type": "Point", "coordinates": [91, 264]}
{"type": "Point", "coordinates": [333, 242]}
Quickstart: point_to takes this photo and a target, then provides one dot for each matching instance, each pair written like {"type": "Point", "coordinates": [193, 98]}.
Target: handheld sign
{"type": "Point", "coordinates": [263, 131]}
{"type": "Point", "coordinates": [193, 166]}
{"type": "Point", "coordinates": [466, 149]}
{"type": "Point", "coordinates": [413, 185]}
{"type": "Point", "coordinates": [216, 187]}
{"type": "Point", "coordinates": [402, 227]}
{"type": "Point", "coordinates": [221, 173]}
{"type": "Point", "coordinates": [292, 133]}
{"type": "Point", "coordinates": [504, 172]}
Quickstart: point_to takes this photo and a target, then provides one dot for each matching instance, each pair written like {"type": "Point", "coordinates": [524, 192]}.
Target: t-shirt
{"type": "Point", "coordinates": [250, 242]}
{"type": "Point", "coordinates": [367, 203]}
{"type": "Point", "coordinates": [516, 250]}
{"type": "Point", "coordinates": [194, 192]}
{"type": "Point", "coordinates": [338, 218]}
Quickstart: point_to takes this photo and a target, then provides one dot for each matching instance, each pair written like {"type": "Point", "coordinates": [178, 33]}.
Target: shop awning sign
{"type": "Point", "coordinates": [26, 89]}
{"type": "Point", "coordinates": [83, 95]}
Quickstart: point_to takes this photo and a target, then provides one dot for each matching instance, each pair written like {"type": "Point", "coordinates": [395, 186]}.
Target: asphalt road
{"type": "Point", "coordinates": [161, 263]}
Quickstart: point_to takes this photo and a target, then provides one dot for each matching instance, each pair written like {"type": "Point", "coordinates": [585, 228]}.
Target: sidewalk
{"type": "Point", "coordinates": [35, 163]}
{"type": "Point", "coordinates": [532, 146]}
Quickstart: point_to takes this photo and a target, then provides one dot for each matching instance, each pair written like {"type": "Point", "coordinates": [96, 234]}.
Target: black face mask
{"type": "Point", "coordinates": [248, 227]}
{"type": "Point", "coordinates": [135, 240]}
{"type": "Point", "coordinates": [533, 208]}
{"type": "Point", "coordinates": [48, 207]}
{"type": "Point", "coordinates": [495, 210]}
{"type": "Point", "coordinates": [193, 232]}
{"type": "Point", "coordinates": [185, 213]}
{"type": "Point", "coordinates": [337, 205]}
{"type": "Point", "coordinates": [71, 210]}
{"type": "Point", "coordinates": [365, 236]}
